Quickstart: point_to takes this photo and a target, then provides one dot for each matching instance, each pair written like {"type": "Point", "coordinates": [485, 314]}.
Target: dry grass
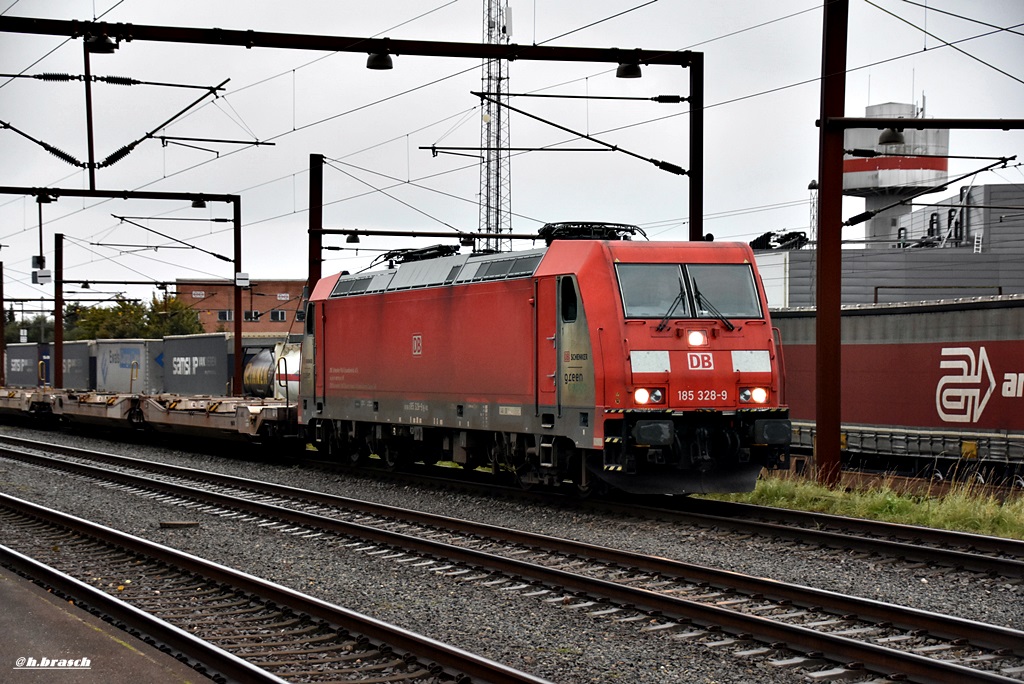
{"type": "Point", "coordinates": [965, 508]}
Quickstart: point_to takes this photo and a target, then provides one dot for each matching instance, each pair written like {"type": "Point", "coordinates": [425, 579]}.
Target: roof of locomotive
{"type": "Point", "coordinates": [562, 256]}
{"type": "Point", "coordinates": [569, 256]}
{"type": "Point", "coordinates": [457, 269]}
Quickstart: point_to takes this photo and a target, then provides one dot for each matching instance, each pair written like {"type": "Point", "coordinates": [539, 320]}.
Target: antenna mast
{"type": "Point", "coordinates": [495, 184]}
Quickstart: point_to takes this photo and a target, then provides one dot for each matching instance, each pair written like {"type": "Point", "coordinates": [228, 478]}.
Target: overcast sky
{"type": "Point", "coordinates": [761, 89]}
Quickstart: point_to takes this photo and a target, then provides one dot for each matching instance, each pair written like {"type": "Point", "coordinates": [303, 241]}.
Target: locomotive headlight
{"type": "Point", "coordinates": [697, 338]}
{"type": "Point", "coordinates": [753, 395]}
{"type": "Point", "coordinates": [643, 396]}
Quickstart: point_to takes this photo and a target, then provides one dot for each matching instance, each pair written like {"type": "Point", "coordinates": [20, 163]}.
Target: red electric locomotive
{"type": "Point", "coordinates": [649, 366]}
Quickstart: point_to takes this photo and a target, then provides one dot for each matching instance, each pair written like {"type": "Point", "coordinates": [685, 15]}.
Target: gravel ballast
{"type": "Point", "coordinates": [546, 639]}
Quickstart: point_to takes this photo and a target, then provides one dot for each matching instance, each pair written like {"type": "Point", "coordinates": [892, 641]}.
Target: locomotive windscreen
{"type": "Point", "coordinates": [679, 290]}
{"type": "Point", "coordinates": [729, 288]}
{"type": "Point", "coordinates": [652, 290]}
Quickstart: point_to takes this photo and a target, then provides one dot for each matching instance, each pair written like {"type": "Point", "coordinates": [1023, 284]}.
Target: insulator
{"type": "Point", "coordinates": [57, 77]}
{"type": "Point", "coordinates": [61, 154]}
{"type": "Point", "coordinates": [670, 167]}
{"type": "Point", "coordinates": [669, 99]}
{"type": "Point", "coordinates": [116, 156]}
{"type": "Point", "coordinates": [119, 80]}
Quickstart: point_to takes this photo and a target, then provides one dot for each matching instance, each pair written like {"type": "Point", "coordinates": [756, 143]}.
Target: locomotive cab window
{"type": "Point", "coordinates": [652, 290]}
{"type": "Point", "coordinates": [724, 290]}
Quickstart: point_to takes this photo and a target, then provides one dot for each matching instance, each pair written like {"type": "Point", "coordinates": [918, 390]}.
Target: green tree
{"type": "Point", "coordinates": [128, 318]}
{"type": "Point", "coordinates": [124, 319]}
{"type": "Point", "coordinates": [39, 327]}
{"type": "Point", "coordinates": [171, 316]}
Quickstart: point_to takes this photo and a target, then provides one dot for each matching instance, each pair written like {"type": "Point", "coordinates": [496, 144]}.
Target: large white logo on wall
{"type": "Point", "coordinates": [961, 395]}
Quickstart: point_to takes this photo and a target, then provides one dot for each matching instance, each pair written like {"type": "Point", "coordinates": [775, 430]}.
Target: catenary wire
{"type": "Point", "coordinates": [716, 104]}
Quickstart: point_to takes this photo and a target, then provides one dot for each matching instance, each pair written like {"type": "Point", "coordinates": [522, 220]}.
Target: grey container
{"type": "Point", "coordinates": [130, 366]}
{"type": "Point", "coordinates": [205, 364]}
{"type": "Point", "coordinates": [22, 361]}
{"type": "Point", "coordinates": [80, 365]}
{"type": "Point", "coordinates": [197, 364]}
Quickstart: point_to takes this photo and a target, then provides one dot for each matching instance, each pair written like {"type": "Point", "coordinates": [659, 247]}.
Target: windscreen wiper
{"type": "Point", "coordinates": [708, 306]}
{"type": "Point", "coordinates": [671, 309]}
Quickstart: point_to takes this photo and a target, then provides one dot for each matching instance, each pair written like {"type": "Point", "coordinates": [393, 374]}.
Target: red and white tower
{"type": "Point", "coordinates": [899, 172]}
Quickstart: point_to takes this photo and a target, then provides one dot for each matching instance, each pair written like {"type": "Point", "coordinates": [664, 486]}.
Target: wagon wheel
{"type": "Point", "coordinates": [931, 471]}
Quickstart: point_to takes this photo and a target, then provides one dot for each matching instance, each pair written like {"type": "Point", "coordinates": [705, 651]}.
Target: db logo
{"type": "Point", "coordinates": [417, 345]}
{"type": "Point", "coordinates": [700, 361]}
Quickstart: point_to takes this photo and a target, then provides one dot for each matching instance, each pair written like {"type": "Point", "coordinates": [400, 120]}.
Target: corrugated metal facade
{"type": "Point", "coordinates": [983, 254]}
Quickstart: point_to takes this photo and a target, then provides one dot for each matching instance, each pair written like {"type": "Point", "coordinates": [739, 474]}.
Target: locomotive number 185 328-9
{"type": "Point", "coordinates": [703, 395]}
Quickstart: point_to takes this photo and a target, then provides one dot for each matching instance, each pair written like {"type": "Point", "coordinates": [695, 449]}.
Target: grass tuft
{"type": "Point", "coordinates": [964, 507]}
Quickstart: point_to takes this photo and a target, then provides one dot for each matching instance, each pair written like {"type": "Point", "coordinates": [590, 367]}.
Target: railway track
{"type": "Point", "coordinates": [692, 602]}
{"type": "Point", "coordinates": [228, 625]}
{"type": "Point", "coordinates": [994, 556]}
{"type": "Point", "coordinates": [961, 550]}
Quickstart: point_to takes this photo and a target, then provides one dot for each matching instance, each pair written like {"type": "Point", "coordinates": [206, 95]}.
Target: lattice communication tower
{"type": "Point", "coordinates": [495, 182]}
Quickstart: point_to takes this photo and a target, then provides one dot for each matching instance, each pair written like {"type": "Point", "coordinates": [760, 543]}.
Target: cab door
{"type": "Point", "coordinates": [545, 340]}
{"type": "Point", "coordinates": [310, 386]}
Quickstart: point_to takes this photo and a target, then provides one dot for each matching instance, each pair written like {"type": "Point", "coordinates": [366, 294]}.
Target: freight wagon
{"type": "Point", "coordinates": [934, 388]}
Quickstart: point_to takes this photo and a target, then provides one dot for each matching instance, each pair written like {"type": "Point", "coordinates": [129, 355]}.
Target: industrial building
{"type": "Point", "coordinates": [268, 306]}
{"type": "Point", "coordinates": [915, 248]}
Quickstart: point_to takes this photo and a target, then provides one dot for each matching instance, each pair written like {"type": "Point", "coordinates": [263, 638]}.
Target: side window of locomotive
{"type": "Point", "coordinates": [652, 291]}
{"type": "Point", "coordinates": [567, 300]}
{"type": "Point", "coordinates": [728, 289]}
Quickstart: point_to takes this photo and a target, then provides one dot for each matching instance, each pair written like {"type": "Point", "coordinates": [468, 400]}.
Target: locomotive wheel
{"type": "Point", "coordinates": [357, 454]}
{"type": "Point", "coordinates": [390, 456]}
{"type": "Point", "coordinates": [525, 476]}
{"type": "Point", "coordinates": [501, 457]}
{"type": "Point", "coordinates": [474, 461]}
{"type": "Point", "coordinates": [584, 484]}
{"type": "Point", "coordinates": [330, 443]}
{"type": "Point", "coordinates": [582, 490]}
